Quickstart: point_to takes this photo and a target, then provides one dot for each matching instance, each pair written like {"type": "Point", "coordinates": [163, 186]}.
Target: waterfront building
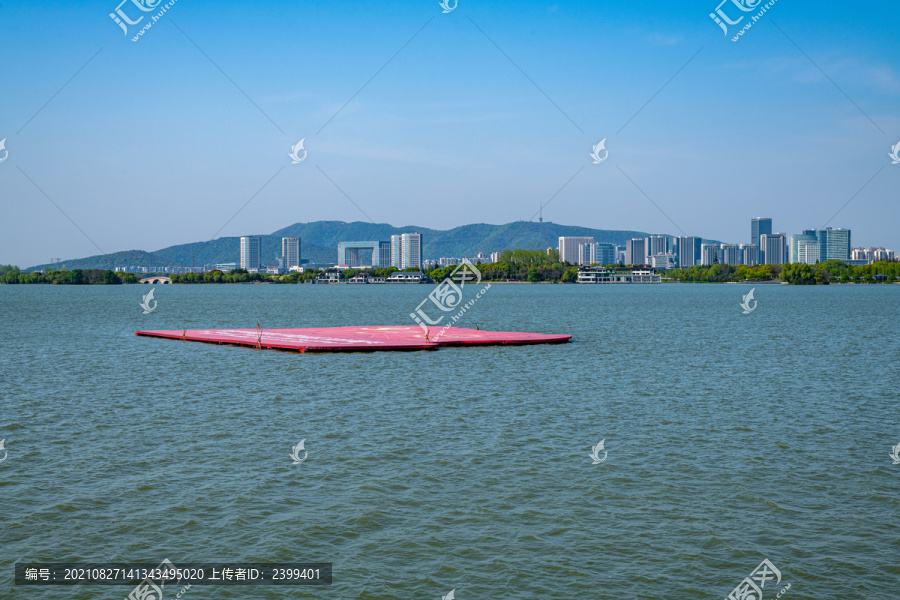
{"type": "Point", "coordinates": [406, 277]}
{"type": "Point", "coordinates": [495, 257]}
{"type": "Point", "coordinates": [568, 248]}
{"type": "Point", "coordinates": [709, 254]}
{"type": "Point", "coordinates": [635, 251]}
{"type": "Point", "coordinates": [290, 252]}
{"type": "Point", "coordinates": [759, 226]}
{"type": "Point", "coordinates": [749, 254]}
{"type": "Point", "coordinates": [685, 252]}
{"type": "Point", "coordinates": [731, 254]}
{"type": "Point", "coordinates": [226, 267]}
{"type": "Point", "coordinates": [627, 275]}
{"type": "Point", "coordinates": [772, 249]}
{"type": "Point", "coordinates": [250, 253]}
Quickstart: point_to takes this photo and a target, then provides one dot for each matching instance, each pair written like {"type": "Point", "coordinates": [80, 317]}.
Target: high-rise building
{"type": "Point", "coordinates": [772, 248]}
{"type": "Point", "coordinates": [656, 244]}
{"type": "Point", "coordinates": [586, 254]}
{"type": "Point", "coordinates": [686, 252]}
{"type": "Point", "coordinates": [604, 254]}
{"type": "Point", "coordinates": [808, 236]}
{"type": "Point", "coordinates": [568, 248]}
{"type": "Point", "coordinates": [290, 252]}
{"type": "Point", "coordinates": [596, 253]}
{"type": "Point", "coordinates": [406, 250]}
{"type": "Point", "coordinates": [807, 252]}
{"type": "Point", "coordinates": [749, 254]}
{"type": "Point", "coordinates": [709, 254]}
{"type": "Point", "coordinates": [731, 254]}
{"type": "Point", "coordinates": [635, 251]}
{"type": "Point", "coordinates": [250, 253]}
{"type": "Point", "coordinates": [396, 250]}
{"type": "Point", "coordinates": [495, 257]}
{"type": "Point", "coordinates": [834, 244]}
{"type": "Point", "coordinates": [759, 226]}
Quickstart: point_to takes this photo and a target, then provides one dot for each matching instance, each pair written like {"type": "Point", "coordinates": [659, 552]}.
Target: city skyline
{"type": "Point", "coordinates": [101, 133]}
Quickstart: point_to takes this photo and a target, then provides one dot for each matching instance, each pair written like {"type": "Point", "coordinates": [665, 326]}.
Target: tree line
{"type": "Point", "coordinates": [829, 271]}
{"type": "Point", "coordinates": [12, 275]}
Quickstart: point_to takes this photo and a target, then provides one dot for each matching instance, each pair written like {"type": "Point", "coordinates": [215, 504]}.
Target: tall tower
{"type": "Point", "coordinates": [290, 252]}
{"type": "Point", "coordinates": [759, 226]}
{"type": "Point", "coordinates": [250, 252]}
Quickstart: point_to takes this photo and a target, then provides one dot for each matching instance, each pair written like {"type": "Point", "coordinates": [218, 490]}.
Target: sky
{"type": "Point", "coordinates": [414, 116]}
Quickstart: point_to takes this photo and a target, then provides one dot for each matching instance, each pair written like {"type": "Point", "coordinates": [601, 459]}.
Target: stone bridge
{"type": "Point", "coordinates": [156, 280]}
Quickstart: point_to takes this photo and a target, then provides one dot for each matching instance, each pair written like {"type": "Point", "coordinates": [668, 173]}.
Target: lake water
{"type": "Point", "coordinates": [731, 438]}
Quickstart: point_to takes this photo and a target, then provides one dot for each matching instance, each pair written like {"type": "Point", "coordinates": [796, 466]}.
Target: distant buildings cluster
{"type": "Point", "coordinates": [660, 252]}
{"type": "Point", "coordinates": [251, 259]}
{"type": "Point", "coordinates": [765, 248]}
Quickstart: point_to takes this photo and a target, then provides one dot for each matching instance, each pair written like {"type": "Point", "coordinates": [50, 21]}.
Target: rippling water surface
{"type": "Point", "coordinates": [732, 438]}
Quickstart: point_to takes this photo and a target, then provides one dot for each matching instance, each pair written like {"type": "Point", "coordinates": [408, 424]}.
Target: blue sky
{"type": "Point", "coordinates": [151, 144]}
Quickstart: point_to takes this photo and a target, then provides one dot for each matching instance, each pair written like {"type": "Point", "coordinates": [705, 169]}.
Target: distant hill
{"type": "Point", "coordinates": [319, 242]}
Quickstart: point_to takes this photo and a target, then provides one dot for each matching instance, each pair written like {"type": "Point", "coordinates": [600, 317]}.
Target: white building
{"type": "Point", "coordinates": [656, 244]}
{"type": "Point", "coordinates": [663, 261]}
{"type": "Point", "coordinates": [568, 248]}
{"type": "Point", "coordinates": [604, 275]}
{"type": "Point", "coordinates": [250, 253]}
{"type": "Point", "coordinates": [772, 248]}
{"type": "Point", "coordinates": [406, 250]}
{"type": "Point", "coordinates": [290, 253]}
{"type": "Point", "coordinates": [495, 257]}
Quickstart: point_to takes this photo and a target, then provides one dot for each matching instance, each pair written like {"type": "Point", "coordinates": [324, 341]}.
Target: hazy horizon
{"type": "Point", "coordinates": [409, 115]}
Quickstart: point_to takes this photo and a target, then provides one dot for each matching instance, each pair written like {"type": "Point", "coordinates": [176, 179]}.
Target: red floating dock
{"type": "Point", "coordinates": [357, 339]}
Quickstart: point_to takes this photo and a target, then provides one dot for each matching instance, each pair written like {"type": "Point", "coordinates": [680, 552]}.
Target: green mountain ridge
{"type": "Point", "coordinates": [319, 240]}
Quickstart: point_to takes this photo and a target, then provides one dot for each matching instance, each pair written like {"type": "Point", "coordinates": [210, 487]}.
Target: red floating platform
{"type": "Point", "coordinates": [357, 339]}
